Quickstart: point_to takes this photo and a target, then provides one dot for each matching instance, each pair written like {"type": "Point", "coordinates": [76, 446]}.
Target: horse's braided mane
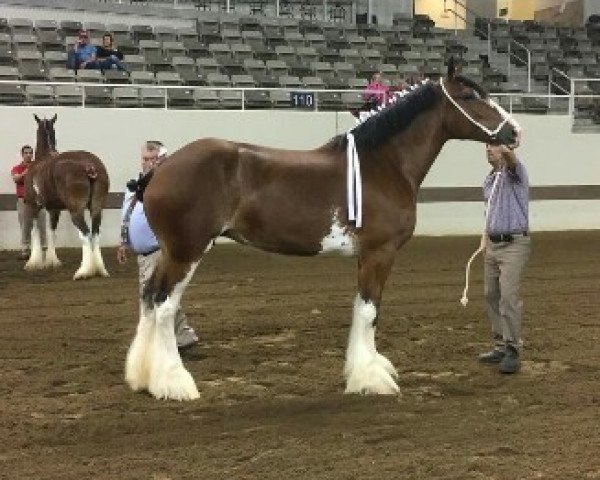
{"type": "Point", "coordinates": [399, 113]}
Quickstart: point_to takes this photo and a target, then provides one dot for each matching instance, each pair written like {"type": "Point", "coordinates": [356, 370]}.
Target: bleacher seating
{"type": "Point", "coordinates": [244, 51]}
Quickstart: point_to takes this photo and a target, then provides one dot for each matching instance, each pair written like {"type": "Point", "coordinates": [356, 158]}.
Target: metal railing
{"type": "Point", "coordinates": [487, 34]}
{"type": "Point", "coordinates": [311, 101]}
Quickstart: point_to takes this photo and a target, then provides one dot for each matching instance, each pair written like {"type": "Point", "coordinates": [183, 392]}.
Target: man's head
{"type": "Point", "coordinates": [494, 154]}
{"type": "Point", "coordinates": [153, 152]}
{"type": "Point", "coordinates": [27, 153]}
{"type": "Point", "coordinates": [83, 36]}
{"type": "Point", "coordinates": [376, 78]}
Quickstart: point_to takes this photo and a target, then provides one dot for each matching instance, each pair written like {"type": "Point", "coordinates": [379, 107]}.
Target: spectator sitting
{"type": "Point", "coordinates": [107, 54]}
{"type": "Point", "coordinates": [376, 92]}
{"type": "Point", "coordinates": [84, 55]}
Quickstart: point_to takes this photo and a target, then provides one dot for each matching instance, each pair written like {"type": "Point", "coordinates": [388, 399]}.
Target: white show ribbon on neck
{"type": "Point", "coordinates": [353, 182]}
{"type": "Point", "coordinates": [492, 133]}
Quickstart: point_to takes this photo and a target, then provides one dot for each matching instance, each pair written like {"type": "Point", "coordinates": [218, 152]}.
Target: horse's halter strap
{"type": "Point", "coordinates": [498, 108]}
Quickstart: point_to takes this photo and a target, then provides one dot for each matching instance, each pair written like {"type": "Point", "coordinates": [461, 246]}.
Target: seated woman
{"type": "Point", "coordinates": [107, 54]}
{"type": "Point", "coordinates": [376, 92]}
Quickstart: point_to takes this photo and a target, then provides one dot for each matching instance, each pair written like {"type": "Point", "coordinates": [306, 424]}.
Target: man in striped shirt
{"type": "Point", "coordinates": [506, 191]}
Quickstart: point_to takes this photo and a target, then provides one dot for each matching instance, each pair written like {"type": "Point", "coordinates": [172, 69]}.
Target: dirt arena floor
{"type": "Point", "coordinates": [269, 368]}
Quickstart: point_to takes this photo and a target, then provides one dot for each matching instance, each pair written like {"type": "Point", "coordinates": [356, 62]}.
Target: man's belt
{"type": "Point", "coordinates": [505, 237]}
{"type": "Point", "coordinates": [145, 254]}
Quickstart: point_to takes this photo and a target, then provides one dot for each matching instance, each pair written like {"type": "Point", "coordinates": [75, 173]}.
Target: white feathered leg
{"type": "Point", "coordinates": [168, 377]}
{"type": "Point", "coordinates": [36, 258]}
{"type": "Point", "coordinates": [99, 267]}
{"type": "Point", "coordinates": [366, 370]}
{"type": "Point", "coordinates": [137, 365]}
{"type": "Point", "coordinates": [51, 257]}
{"type": "Point", "coordinates": [87, 267]}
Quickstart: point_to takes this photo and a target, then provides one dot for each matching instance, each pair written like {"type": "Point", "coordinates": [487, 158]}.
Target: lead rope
{"type": "Point", "coordinates": [464, 300]}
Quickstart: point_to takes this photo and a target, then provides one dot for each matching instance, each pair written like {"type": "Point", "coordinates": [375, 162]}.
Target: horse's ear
{"type": "Point", "coordinates": [53, 119]}
{"type": "Point", "coordinates": [37, 119]}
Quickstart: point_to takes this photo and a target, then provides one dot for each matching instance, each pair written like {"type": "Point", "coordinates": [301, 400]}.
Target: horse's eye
{"type": "Point", "coordinates": [472, 95]}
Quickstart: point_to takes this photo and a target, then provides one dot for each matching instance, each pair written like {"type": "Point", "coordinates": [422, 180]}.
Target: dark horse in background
{"type": "Point", "coordinates": [295, 202]}
{"type": "Point", "coordinates": [72, 181]}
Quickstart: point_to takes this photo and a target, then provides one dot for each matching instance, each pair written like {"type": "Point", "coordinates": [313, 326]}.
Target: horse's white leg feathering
{"type": "Point", "coordinates": [51, 257]}
{"type": "Point", "coordinates": [168, 377]}
{"type": "Point", "coordinates": [36, 258]}
{"type": "Point", "coordinates": [137, 365]}
{"type": "Point", "coordinates": [99, 267]}
{"type": "Point", "coordinates": [87, 267]}
{"type": "Point", "coordinates": [366, 370]}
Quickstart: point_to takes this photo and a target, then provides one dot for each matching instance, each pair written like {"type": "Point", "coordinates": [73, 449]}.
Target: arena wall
{"type": "Point", "coordinates": [564, 168]}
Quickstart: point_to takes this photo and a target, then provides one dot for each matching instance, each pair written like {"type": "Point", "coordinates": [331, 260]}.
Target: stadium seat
{"type": "Point", "coordinates": [61, 74]}
{"type": "Point", "coordinates": [89, 76]}
{"type": "Point", "coordinates": [153, 97]}
{"type": "Point", "coordinates": [116, 76]}
{"type": "Point", "coordinates": [280, 99]}
{"type": "Point", "coordinates": [230, 99]}
{"type": "Point", "coordinates": [20, 26]}
{"type": "Point", "coordinates": [256, 99]}
{"type": "Point", "coordinates": [329, 101]}
{"type": "Point", "coordinates": [98, 96]}
{"type": "Point", "coordinates": [126, 97]}
{"type": "Point", "coordinates": [180, 98]}
{"type": "Point", "coordinates": [68, 94]}
{"type": "Point", "coordinates": [9, 73]}
{"type": "Point", "coordinates": [12, 94]}
{"type": "Point", "coordinates": [206, 99]}
{"type": "Point", "coordinates": [55, 59]}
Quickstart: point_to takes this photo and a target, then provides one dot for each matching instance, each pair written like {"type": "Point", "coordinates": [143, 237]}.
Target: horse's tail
{"type": "Point", "coordinates": [99, 186]}
{"type": "Point", "coordinates": [90, 170]}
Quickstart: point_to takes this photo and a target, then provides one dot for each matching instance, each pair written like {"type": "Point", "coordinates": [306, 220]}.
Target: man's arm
{"type": "Point", "coordinates": [510, 159]}
{"type": "Point", "coordinates": [18, 177]}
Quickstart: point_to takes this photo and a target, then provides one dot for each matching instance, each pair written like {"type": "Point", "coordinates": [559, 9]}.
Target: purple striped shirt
{"type": "Point", "coordinates": [509, 207]}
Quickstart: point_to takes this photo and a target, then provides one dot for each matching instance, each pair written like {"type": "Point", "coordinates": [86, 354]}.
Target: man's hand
{"type": "Point", "coordinates": [122, 254]}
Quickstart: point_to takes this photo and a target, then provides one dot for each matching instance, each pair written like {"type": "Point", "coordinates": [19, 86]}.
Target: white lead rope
{"type": "Point", "coordinates": [464, 300]}
{"type": "Point", "coordinates": [353, 182]}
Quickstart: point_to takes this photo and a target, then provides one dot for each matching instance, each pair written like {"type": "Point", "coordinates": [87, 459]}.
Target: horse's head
{"type": "Point", "coordinates": [468, 112]}
{"type": "Point", "coordinates": [46, 138]}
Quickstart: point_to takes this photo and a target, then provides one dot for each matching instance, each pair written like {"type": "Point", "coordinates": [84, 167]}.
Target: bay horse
{"type": "Point", "coordinates": [295, 202]}
{"type": "Point", "coordinates": [74, 181]}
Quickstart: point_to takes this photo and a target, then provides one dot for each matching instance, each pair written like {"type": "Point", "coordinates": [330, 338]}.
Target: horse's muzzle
{"type": "Point", "coordinates": [506, 136]}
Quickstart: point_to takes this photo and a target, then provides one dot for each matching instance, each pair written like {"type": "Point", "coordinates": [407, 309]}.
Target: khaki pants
{"type": "Point", "coordinates": [504, 266]}
{"type": "Point", "coordinates": [146, 265]}
{"type": "Point", "coordinates": [26, 226]}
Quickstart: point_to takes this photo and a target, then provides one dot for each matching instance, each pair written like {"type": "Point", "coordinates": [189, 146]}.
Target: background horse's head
{"type": "Point", "coordinates": [46, 138]}
{"type": "Point", "coordinates": [470, 114]}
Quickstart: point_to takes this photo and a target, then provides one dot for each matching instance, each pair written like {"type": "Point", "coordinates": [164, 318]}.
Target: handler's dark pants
{"type": "Point", "coordinates": [504, 265]}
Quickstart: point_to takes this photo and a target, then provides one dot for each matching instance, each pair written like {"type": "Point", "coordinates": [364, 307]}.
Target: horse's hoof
{"type": "Point", "coordinates": [81, 275]}
{"type": "Point", "coordinates": [376, 377]}
{"type": "Point", "coordinates": [176, 384]}
{"type": "Point", "coordinates": [33, 266]}
{"type": "Point", "coordinates": [53, 263]}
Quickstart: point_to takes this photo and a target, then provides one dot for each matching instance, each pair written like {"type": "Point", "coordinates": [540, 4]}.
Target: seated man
{"type": "Point", "coordinates": [83, 54]}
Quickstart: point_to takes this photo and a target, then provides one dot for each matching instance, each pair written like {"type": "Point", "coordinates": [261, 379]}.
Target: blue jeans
{"type": "Point", "coordinates": [106, 64]}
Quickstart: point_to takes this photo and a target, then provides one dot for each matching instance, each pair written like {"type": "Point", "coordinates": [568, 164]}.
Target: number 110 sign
{"type": "Point", "coordinates": [302, 99]}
